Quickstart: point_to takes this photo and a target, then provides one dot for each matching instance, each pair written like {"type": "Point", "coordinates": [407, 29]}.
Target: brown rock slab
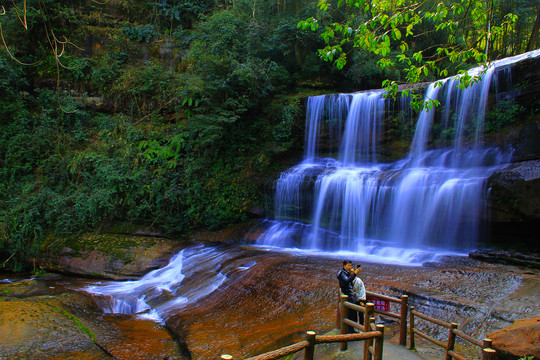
{"type": "Point", "coordinates": [272, 305]}
{"type": "Point", "coordinates": [520, 340]}
{"type": "Point", "coordinates": [110, 256]}
{"type": "Point", "coordinates": [69, 326]}
{"type": "Point", "coordinates": [126, 337]}
{"type": "Point", "coordinates": [42, 329]}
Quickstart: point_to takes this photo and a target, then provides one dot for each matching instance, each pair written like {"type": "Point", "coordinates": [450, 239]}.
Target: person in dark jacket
{"type": "Point", "coordinates": [346, 278]}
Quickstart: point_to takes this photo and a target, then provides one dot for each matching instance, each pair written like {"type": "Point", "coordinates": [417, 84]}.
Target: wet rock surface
{"type": "Point", "coordinates": [284, 296]}
{"type": "Point", "coordinates": [109, 256]}
{"type": "Point", "coordinates": [41, 321]}
{"type": "Point", "coordinates": [531, 259]}
{"type": "Point", "coordinates": [268, 304]}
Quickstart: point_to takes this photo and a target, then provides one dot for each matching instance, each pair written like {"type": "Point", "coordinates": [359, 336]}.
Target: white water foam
{"type": "Point", "coordinates": [429, 203]}
{"type": "Point", "coordinates": [190, 275]}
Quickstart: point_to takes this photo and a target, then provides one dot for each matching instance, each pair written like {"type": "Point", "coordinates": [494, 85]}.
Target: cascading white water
{"type": "Point", "coordinates": [191, 274]}
{"type": "Point", "coordinates": [430, 202]}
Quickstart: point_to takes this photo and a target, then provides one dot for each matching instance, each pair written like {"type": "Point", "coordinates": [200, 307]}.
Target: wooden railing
{"type": "Point", "coordinates": [402, 316]}
{"type": "Point", "coordinates": [370, 351]}
{"type": "Point", "coordinates": [487, 352]}
{"type": "Point", "coordinates": [375, 333]}
{"type": "Point", "coordinates": [308, 345]}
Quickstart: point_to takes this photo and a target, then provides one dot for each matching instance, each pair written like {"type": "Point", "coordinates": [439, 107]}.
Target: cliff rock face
{"type": "Point", "coordinates": [515, 193]}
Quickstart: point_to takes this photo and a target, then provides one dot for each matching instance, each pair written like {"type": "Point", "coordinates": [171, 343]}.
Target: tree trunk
{"type": "Point", "coordinates": [534, 34]}
{"type": "Point", "coordinates": [298, 53]}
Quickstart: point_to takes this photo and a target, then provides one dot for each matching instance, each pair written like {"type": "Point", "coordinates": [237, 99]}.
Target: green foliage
{"type": "Point", "coordinates": [283, 132]}
{"type": "Point", "coordinates": [183, 12]}
{"type": "Point", "coordinates": [12, 83]}
{"type": "Point", "coordinates": [455, 32]}
{"type": "Point", "coordinates": [143, 88]}
{"type": "Point", "coordinates": [193, 102]}
{"type": "Point", "coordinates": [506, 113]}
{"type": "Point", "coordinates": [143, 33]}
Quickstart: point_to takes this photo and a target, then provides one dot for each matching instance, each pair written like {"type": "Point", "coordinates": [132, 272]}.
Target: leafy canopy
{"type": "Point", "coordinates": [393, 30]}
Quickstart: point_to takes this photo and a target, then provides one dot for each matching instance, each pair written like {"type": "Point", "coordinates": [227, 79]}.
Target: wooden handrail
{"type": "Point", "coordinates": [320, 339]}
{"type": "Point", "coordinates": [354, 306]}
{"type": "Point", "coordinates": [470, 339]}
{"type": "Point", "coordinates": [487, 352]}
{"type": "Point", "coordinates": [312, 339]}
{"type": "Point", "coordinates": [429, 318]}
{"type": "Point", "coordinates": [284, 351]}
{"type": "Point", "coordinates": [388, 313]}
{"type": "Point", "coordinates": [427, 337]}
{"type": "Point", "coordinates": [451, 341]}
{"type": "Point", "coordinates": [383, 297]}
{"type": "Point", "coordinates": [403, 320]}
{"type": "Point", "coordinates": [379, 342]}
{"type": "Point", "coordinates": [374, 350]}
{"type": "Point", "coordinates": [354, 324]}
{"type": "Point", "coordinates": [402, 316]}
{"type": "Point", "coordinates": [456, 356]}
{"type": "Point", "coordinates": [368, 320]}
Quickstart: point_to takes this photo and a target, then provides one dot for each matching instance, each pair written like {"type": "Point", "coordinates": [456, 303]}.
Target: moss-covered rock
{"type": "Point", "coordinates": [69, 325]}
{"type": "Point", "coordinates": [111, 256]}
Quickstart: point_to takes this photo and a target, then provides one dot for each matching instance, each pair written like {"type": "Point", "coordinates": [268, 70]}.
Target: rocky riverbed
{"type": "Point", "coordinates": [266, 299]}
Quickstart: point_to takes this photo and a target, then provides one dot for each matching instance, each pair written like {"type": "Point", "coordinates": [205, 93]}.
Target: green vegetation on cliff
{"type": "Point", "coordinates": [169, 115]}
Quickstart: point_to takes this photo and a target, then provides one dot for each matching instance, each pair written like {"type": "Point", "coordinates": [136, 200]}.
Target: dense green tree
{"type": "Point", "coordinates": [174, 113]}
{"type": "Point", "coordinates": [432, 39]}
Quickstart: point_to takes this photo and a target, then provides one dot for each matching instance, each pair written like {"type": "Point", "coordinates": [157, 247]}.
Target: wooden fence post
{"type": "Point", "coordinates": [379, 341]}
{"type": "Point", "coordinates": [403, 325]}
{"type": "Point", "coordinates": [338, 315]}
{"type": "Point", "coordinates": [411, 328]}
{"type": "Point", "coordinates": [451, 341]}
{"type": "Point", "coordinates": [368, 317]}
{"type": "Point", "coordinates": [343, 329]}
{"type": "Point", "coordinates": [309, 352]}
{"type": "Point", "coordinates": [487, 352]}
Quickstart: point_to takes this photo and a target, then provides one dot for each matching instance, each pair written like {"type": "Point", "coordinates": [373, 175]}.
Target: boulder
{"type": "Point", "coordinates": [515, 193]}
{"type": "Point", "coordinates": [109, 256]}
{"type": "Point", "coordinates": [520, 340]}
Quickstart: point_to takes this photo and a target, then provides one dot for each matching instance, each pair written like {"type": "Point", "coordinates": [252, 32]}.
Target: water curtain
{"type": "Point", "coordinates": [342, 197]}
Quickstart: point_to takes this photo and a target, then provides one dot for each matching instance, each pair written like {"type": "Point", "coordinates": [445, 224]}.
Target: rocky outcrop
{"type": "Point", "coordinates": [43, 322]}
{"type": "Point", "coordinates": [112, 256]}
{"type": "Point", "coordinates": [515, 193]}
{"type": "Point", "coordinates": [518, 341]}
{"type": "Point", "coordinates": [507, 257]}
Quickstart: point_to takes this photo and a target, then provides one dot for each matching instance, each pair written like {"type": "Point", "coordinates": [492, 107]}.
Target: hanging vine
{"type": "Point", "coordinates": [56, 44]}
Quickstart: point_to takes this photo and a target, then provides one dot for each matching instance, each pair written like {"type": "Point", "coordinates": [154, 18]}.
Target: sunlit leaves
{"type": "Point", "coordinates": [391, 29]}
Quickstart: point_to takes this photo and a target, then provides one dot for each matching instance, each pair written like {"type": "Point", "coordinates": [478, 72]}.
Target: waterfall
{"type": "Point", "coordinates": [432, 201]}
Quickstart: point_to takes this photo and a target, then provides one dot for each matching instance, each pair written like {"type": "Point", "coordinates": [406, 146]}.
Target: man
{"type": "Point", "coordinates": [346, 278]}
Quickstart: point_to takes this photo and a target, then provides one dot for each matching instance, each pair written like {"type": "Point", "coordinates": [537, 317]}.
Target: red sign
{"type": "Point", "coordinates": [380, 304]}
